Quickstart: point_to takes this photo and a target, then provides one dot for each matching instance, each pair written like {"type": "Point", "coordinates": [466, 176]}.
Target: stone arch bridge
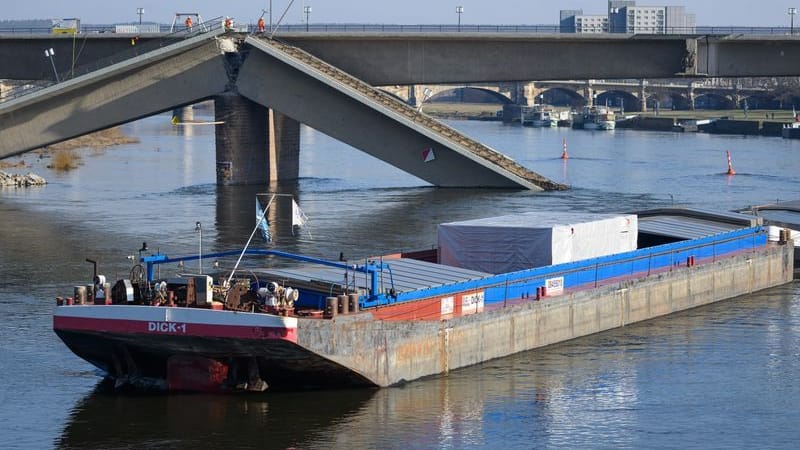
{"type": "Point", "coordinates": [628, 94]}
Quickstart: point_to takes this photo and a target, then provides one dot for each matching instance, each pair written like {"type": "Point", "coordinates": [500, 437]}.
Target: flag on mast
{"type": "Point", "coordinates": [262, 223]}
{"type": "Point", "coordinates": [299, 218]}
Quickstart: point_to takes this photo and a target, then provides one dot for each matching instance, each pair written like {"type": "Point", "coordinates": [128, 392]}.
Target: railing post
{"type": "Point", "coordinates": [596, 269]}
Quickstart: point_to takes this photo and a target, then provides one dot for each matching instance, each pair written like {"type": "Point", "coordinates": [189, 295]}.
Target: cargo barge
{"type": "Point", "coordinates": [314, 323]}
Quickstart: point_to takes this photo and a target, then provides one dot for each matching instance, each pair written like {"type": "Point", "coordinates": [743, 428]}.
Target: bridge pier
{"type": "Point", "coordinates": [643, 96]}
{"type": "Point", "coordinates": [254, 145]}
{"type": "Point", "coordinates": [526, 94]}
{"type": "Point", "coordinates": [588, 93]}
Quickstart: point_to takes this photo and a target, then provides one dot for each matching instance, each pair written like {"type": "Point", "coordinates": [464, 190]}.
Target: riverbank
{"type": "Point", "coordinates": [97, 140]}
{"type": "Point", "coordinates": [753, 122]}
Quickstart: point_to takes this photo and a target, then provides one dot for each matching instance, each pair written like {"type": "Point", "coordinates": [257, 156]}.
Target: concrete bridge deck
{"type": "Point", "coordinates": [385, 58]}
{"type": "Point", "coordinates": [387, 128]}
{"type": "Point", "coordinates": [267, 73]}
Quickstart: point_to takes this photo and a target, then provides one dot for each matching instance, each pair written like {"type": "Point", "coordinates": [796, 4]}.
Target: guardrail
{"type": "Point", "coordinates": [445, 28]}
{"type": "Point", "coordinates": [604, 270]}
{"type": "Point", "coordinates": [135, 50]}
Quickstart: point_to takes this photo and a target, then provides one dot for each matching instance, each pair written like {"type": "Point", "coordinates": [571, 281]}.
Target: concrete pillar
{"type": "Point", "coordinates": [254, 145]}
{"type": "Point", "coordinates": [643, 96]}
{"type": "Point", "coordinates": [588, 94]}
{"type": "Point", "coordinates": [241, 140]}
{"type": "Point", "coordinates": [284, 147]}
{"type": "Point", "coordinates": [181, 115]}
{"type": "Point", "coordinates": [526, 93]}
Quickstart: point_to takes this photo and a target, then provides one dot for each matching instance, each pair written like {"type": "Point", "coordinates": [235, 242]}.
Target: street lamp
{"type": "Point", "coordinates": [140, 12]}
{"type": "Point", "coordinates": [541, 98]}
{"type": "Point", "coordinates": [307, 10]}
{"type": "Point", "coordinates": [49, 53]}
{"type": "Point", "coordinates": [459, 11]}
{"type": "Point", "coordinates": [791, 12]}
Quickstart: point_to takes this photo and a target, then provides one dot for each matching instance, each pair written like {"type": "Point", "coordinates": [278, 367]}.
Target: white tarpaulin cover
{"type": "Point", "coordinates": [534, 239]}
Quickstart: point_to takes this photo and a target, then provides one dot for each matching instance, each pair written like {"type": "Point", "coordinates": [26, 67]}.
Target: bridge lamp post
{"type": "Point", "coordinates": [49, 53]}
{"type": "Point", "coordinates": [791, 12]}
{"type": "Point", "coordinates": [307, 10]}
{"type": "Point", "coordinates": [459, 11]}
{"type": "Point", "coordinates": [140, 12]}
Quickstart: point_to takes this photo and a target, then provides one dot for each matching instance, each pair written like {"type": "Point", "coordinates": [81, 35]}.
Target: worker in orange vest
{"type": "Point", "coordinates": [188, 23]}
{"type": "Point", "coordinates": [261, 25]}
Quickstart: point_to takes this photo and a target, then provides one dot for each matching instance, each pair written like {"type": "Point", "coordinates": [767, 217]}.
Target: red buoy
{"type": "Point", "coordinates": [730, 166]}
{"type": "Point", "coordinates": [564, 153]}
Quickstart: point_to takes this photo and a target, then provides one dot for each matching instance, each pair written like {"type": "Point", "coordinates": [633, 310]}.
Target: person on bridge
{"type": "Point", "coordinates": [188, 23]}
{"type": "Point", "coordinates": [228, 23]}
{"type": "Point", "coordinates": [261, 25]}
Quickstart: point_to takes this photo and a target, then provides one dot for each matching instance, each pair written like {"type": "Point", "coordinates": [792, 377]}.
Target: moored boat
{"type": "Point", "coordinates": [543, 116]}
{"type": "Point", "coordinates": [492, 287]}
{"type": "Point", "coordinates": [598, 118]}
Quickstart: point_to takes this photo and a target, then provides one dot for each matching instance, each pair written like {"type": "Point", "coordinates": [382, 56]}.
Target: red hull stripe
{"type": "Point", "coordinates": [173, 328]}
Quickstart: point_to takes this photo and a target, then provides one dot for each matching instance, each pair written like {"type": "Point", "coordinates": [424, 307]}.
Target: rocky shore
{"type": "Point", "coordinates": [16, 180]}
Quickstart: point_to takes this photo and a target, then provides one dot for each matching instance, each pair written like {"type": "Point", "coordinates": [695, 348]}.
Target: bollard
{"type": "Point", "coordinates": [59, 301]}
{"type": "Point", "coordinates": [69, 301]}
{"type": "Point", "coordinates": [80, 295]}
{"type": "Point", "coordinates": [352, 299]}
{"type": "Point", "coordinates": [544, 291]}
{"type": "Point", "coordinates": [107, 290]}
{"type": "Point", "coordinates": [344, 306]}
{"type": "Point", "coordinates": [538, 293]}
{"type": "Point", "coordinates": [331, 307]}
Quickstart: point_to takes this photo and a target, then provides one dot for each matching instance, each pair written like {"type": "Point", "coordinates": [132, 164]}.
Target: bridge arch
{"type": "Point", "coordinates": [760, 101]}
{"type": "Point", "coordinates": [559, 96]}
{"type": "Point", "coordinates": [711, 100]}
{"type": "Point", "coordinates": [469, 95]}
{"type": "Point", "coordinates": [620, 99]}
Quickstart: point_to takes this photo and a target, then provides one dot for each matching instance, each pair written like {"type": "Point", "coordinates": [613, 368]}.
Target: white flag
{"type": "Point", "coordinates": [299, 218]}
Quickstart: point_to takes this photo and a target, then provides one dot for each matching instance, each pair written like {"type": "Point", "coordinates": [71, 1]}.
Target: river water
{"type": "Point", "coordinates": [719, 376]}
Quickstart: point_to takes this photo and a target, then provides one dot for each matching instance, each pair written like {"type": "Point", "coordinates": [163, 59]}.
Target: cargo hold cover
{"type": "Point", "coordinates": [533, 239]}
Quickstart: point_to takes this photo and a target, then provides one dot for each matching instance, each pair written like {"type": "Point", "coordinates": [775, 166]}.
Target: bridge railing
{"type": "Point", "coordinates": [136, 49]}
{"type": "Point", "coordinates": [540, 29]}
{"type": "Point", "coordinates": [446, 28]}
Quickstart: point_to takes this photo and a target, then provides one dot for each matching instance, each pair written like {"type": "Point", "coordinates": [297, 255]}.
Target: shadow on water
{"type": "Point", "coordinates": [594, 389]}
{"type": "Point", "coordinates": [105, 420]}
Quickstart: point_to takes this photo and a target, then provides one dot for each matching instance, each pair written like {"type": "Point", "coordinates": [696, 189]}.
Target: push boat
{"type": "Point", "coordinates": [491, 287]}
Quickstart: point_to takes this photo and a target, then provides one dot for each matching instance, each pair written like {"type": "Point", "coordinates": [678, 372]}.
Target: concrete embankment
{"type": "Point", "coordinates": [390, 352]}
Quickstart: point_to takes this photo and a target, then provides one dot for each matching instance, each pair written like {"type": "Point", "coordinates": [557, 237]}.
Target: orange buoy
{"type": "Point", "coordinates": [730, 166]}
{"type": "Point", "coordinates": [564, 153]}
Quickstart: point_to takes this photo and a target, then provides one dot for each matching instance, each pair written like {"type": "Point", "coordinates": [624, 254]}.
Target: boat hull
{"type": "Point", "coordinates": [605, 125]}
{"type": "Point", "coordinates": [139, 346]}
